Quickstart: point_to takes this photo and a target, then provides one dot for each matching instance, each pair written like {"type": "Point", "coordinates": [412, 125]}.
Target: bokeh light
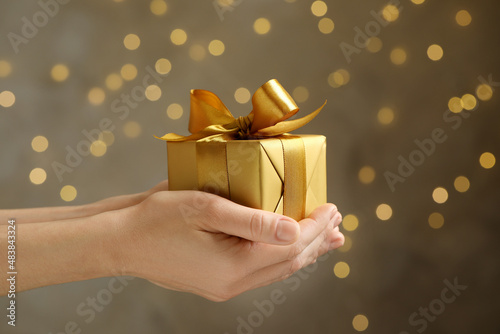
{"type": "Point", "coordinates": [319, 8]}
{"type": "Point", "coordinates": [38, 176]}
{"type": "Point", "coordinates": [326, 25]}
{"type": "Point", "coordinates": [153, 93]}
{"type": "Point", "coordinates": [300, 94]}
{"type": "Point", "coordinates": [242, 95]}
{"type": "Point", "coordinates": [341, 269]}
{"type": "Point", "coordinates": [440, 195]}
{"type": "Point", "coordinates": [132, 129]}
{"type": "Point", "coordinates": [98, 148]}
{"type": "Point", "coordinates": [262, 26]}
{"type": "Point", "coordinates": [383, 212]}
{"type": "Point", "coordinates": [132, 42]}
{"type": "Point", "coordinates": [339, 78]}
{"type": "Point", "coordinates": [68, 193]}
{"type": "Point", "coordinates": [5, 68]}
{"type": "Point", "coordinates": [216, 47]}
{"type": "Point", "coordinates": [59, 72]}
{"type": "Point", "coordinates": [390, 13]}
{"type": "Point", "coordinates": [435, 52]}
{"type": "Point", "coordinates": [350, 222]}
{"type": "Point", "coordinates": [463, 18]}
{"type": "Point", "coordinates": [163, 66]}
{"type": "Point", "coordinates": [360, 322]}
{"type": "Point", "coordinates": [366, 174]}
{"type": "Point", "coordinates": [468, 102]}
{"type": "Point", "coordinates": [114, 81]}
{"type": "Point", "coordinates": [373, 44]}
{"type": "Point", "coordinates": [197, 52]}
{"type": "Point", "coordinates": [436, 220]}
{"type": "Point", "coordinates": [385, 115]}
{"type": "Point", "coordinates": [96, 96]}
{"type": "Point", "coordinates": [398, 56]}
{"type": "Point", "coordinates": [107, 137]}
{"type": "Point", "coordinates": [128, 72]}
{"type": "Point", "coordinates": [461, 184]}
{"type": "Point", "coordinates": [39, 144]}
{"type": "Point", "coordinates": [174, 111]}
{"type": "Point", "coordinates": [7, 99]}
{"type": "Point", "coordinates": [178, 36]}
{"type": "Point", "coordinates": [455, 104]}
{"type": "Point", "coordinates": [347, 244]}
{"type": "Point", "coordinates": [487, 160]}
{"type": "Point", "coordinates": [484, 92]}
{"type": "Point", "coordinates": [418, 2]}
{"type": "Point", "coordinates": [158, 7]}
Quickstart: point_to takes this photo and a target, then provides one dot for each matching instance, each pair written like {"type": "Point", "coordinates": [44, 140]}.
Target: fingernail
{"type": "Point", "coordinates": [333, 211]}
{"type": "Point", "coordinates": [286, 230]}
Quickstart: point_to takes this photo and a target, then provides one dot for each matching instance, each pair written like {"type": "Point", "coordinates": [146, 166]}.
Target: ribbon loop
{"type": "Point", "coordinates": [210, 120]}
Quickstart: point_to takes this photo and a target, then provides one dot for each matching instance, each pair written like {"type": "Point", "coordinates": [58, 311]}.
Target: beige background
{"type": "Point", "coordinates": [396, 266]}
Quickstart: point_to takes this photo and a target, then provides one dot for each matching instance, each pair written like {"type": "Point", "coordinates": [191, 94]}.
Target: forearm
{"type": "Point", "coordinates": [40, 215]}
{"type": "Point", "coordinates": [53, 253]}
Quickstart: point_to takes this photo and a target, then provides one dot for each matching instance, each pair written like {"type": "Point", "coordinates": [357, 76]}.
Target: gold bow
{"type": "Point", "coordinates": [210, 120]}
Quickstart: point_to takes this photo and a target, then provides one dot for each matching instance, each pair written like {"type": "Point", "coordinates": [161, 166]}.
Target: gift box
{"type": "Point", "coordinates": [251, 160]}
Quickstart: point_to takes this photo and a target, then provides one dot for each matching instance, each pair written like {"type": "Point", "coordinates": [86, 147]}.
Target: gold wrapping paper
{"type": "Point", "coordinates": [253, 173]}
{"type": "Point", "coordinates": [251, 160]}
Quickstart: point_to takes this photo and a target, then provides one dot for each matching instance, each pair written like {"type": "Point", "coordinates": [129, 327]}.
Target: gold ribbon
{"type": "Point", "coordinates": [211, 121]}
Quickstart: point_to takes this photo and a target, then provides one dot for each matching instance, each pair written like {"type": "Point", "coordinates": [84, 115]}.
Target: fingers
{"type": "Point", "coordinates": [251, 224]}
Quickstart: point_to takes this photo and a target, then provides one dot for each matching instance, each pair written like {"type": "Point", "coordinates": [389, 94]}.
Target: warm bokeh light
{"type": "Point", "coordinates": [153, 93]}
{"type": "Point", "coordinates": [398, 56]}
{"type": "Point", "coordinates": [39, 144]}
{"type": "Point", "coordinates": [158, 7]}
{"type": "Point", "coordinates": [197, 52]}
{"type": "Point", "coordinates": [262, 26]}
{"type": "Point", "coordinates": [484, 92]}
{"type": "Point", "coordinates": [440, 195]}
{"type": "Point", "coordinates": [98, 148]}
{"type": "Point", "coordinates": [374, 44]}
{"type": "Point", "coordinates": [487, 160]}
{"type": "Point", "coordinates": [463, 18]}
{"type": "Point", "coordinates": [385, 115]}
{"type": "Point", "coordinates": [59, 72]}
{"type": "Point", "coordinates": [242, 95]}
{"type": "Point", "coordinates": [455, 104]}
{"type": "Point", "coordinates": [132, 42]}
{"type": "Point", "coordinates": [326, 25]}
{"type": "Point", "coordinates": [390, 13]}
{"type": "Point", "coordinates": [319, 8]}
{"type": "Point", "coordinates": [114, 81]}
{"type": "Point", "coordinates": [5, 68]}
{"type": "Point", "coordinates": [96, 96]}
{"type": "Point", "coordinates": [461, 184]}
{"type": "Point", "coordinates": [347, 245]}
{"type": "Point", "coordinates": [300, 94]}
{"type": "Point", "coordinates": [339, 78]}
{"type": "Point", "coordinates": [435, 52]}
{"type": "Point", "coordinates": [68, 193]}
{"type": "Point", "coordinates": [468, 102]}
{"type": "Point", "coordinates": [178, 36]}
{"type": "Point", "coordinates": [174, 111]}
{"type": "Point", "coordinates": [350, 222]}
{"type": "Point", "coordinates": [216, 47]}
{"type": "Point", "coordinates": [436, 220]}
{"type": "Point", "coordinates": [163, 66]}
{"type": "Point", "coordinates": [7, 99]}
{"type": "Point", "coordinates": [418, 2]}
{"type": "Point", "coordinates": [341, 269]}
{"type": "Point", "coordinates": [383, 212]}
{"type": "Point", "coordinates": [128, 72]}
{"type": "Point", "coordinates": [38, 176]}
{"type": "Point", "coordinates": [366, 174]}
{"type": "Point", "coordinates": [132, 129]}
{"type": "Point", "coordinates": [360, 322]}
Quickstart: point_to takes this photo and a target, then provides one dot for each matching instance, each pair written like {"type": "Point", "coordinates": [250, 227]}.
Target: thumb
{"type": "Point", "coordinates": [257, 225]}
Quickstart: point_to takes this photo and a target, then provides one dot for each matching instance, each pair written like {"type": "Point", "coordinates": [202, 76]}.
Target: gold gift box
{"type": "Point", "coordinates": [254, 171]}
{"type": "Point", "coordinates": [251, 160]}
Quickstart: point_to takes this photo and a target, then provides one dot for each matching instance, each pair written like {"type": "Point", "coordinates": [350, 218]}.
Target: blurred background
{"type": "Point", "coordinates": [413, 134]}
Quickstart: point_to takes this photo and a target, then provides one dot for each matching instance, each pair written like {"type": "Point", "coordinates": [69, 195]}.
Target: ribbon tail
{"type": "Point", "coordinates": [287, 126]}
{"type": "Point", "coordinates": [210, 133]}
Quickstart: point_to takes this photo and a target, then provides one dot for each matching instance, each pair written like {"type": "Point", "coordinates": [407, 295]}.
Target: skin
{"type": "Point", "coordinates": [184, 240]}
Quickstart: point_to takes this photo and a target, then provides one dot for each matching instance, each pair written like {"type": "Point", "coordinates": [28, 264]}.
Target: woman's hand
{"type": "Point", "coordinates": [201, 243]}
